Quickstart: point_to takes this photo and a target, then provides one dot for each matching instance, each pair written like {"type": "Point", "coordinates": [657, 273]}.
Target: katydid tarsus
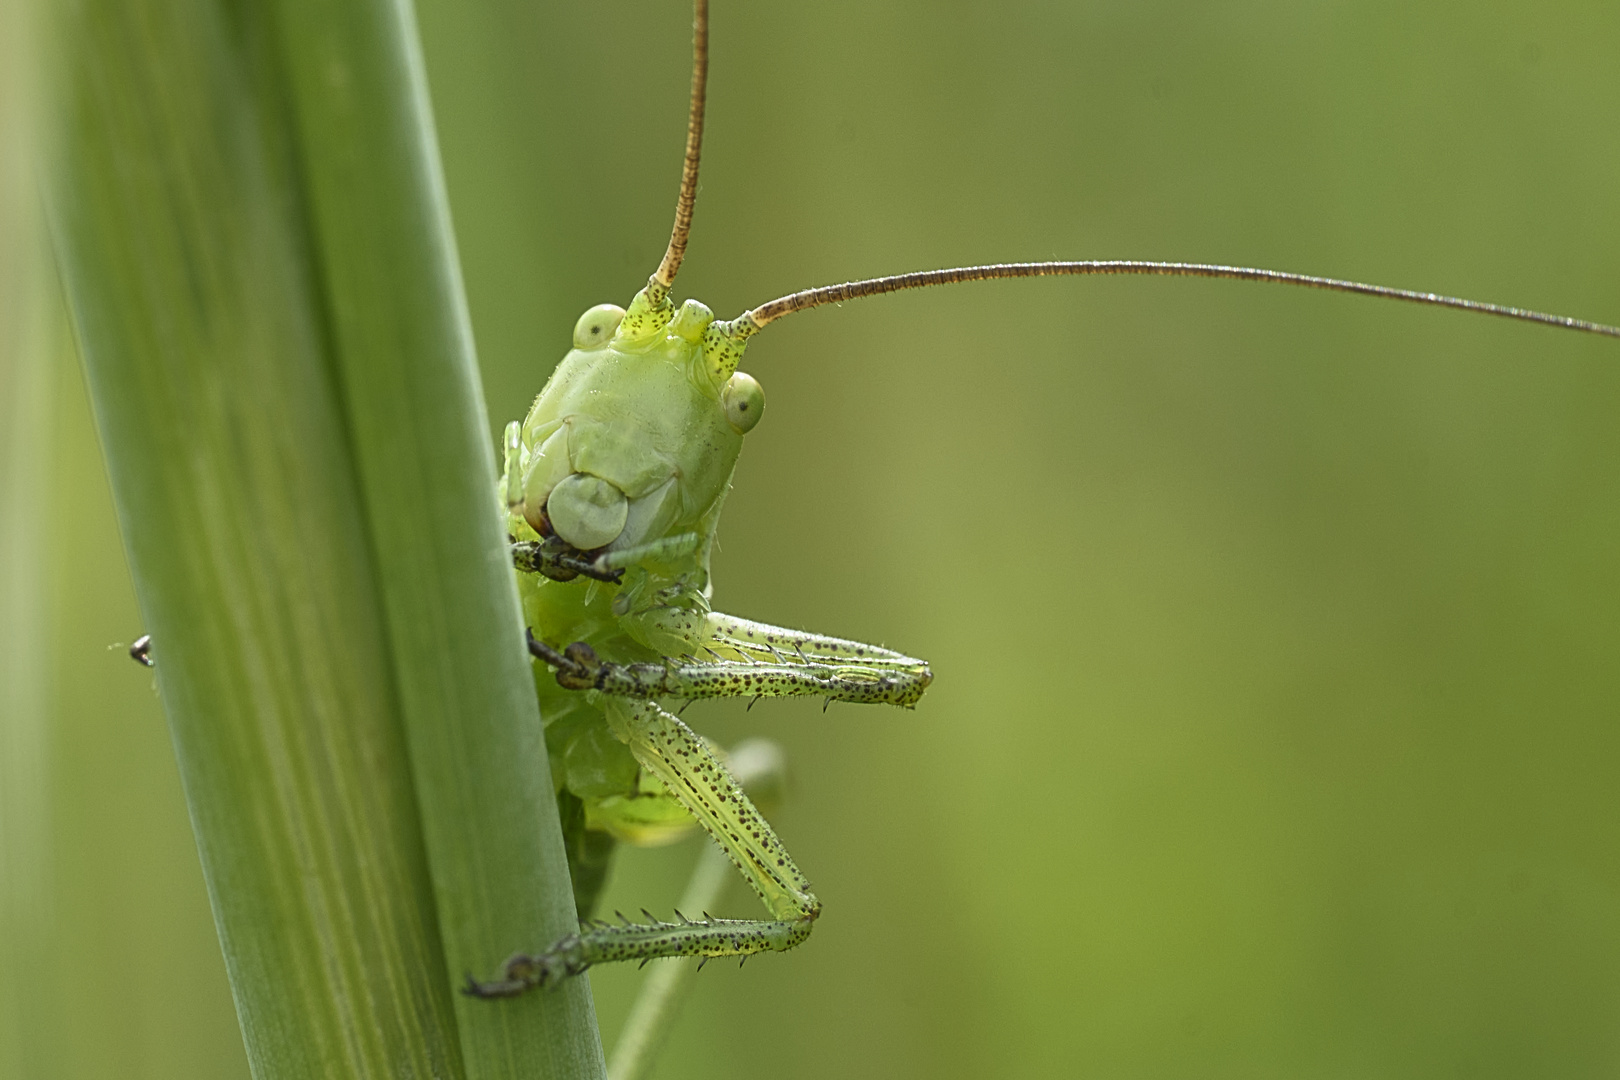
{"type": "Point", "coordinates": [614, 484]}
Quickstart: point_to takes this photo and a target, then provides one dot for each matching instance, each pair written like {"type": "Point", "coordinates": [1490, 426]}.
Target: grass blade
{"type": "Point", "coordinates": [380, 222]}
{"type": "Point", "coordinates": [269, 312]}
{"type": "Point", "coordinates": [25, 429]}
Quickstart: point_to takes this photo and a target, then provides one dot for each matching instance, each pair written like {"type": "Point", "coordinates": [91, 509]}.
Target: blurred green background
{"type": "Point", "coordinates": [1273, 731]}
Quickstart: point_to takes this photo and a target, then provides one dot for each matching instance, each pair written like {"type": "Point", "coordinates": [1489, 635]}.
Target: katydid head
{"type": "Point", "coordinates": [635, 436]}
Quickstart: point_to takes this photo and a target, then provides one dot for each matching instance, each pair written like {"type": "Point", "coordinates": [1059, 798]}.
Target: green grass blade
{"type": "Point", "coordinates": [198, 319]}
{"type": "Point", "coordinates": [380, 222]}
{"type": "Point", "coordinates": [310, 619]}
{"type": "Point", "coordinates": [25, 857]}
{"type": "Point", "coordinates": [25, 462]}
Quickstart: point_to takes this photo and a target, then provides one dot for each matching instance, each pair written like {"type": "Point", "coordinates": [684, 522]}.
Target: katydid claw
{"type": "Point", "coordinates": [491, 990]}
{"type": "Point", "coordinates": [577, 666]}
{"type": "Point", "coordinates": [523, 972]}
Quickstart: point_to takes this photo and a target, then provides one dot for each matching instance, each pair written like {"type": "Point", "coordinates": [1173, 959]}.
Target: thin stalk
{"type": "Point", "coordinates": [397, 321]}
{"type": "Point", "coordinates": [26, 918]}
{"type": "Point", "coordinates": [257, 255]}
{"type": "Point", "coordinates": [759, 766]}
{"type": "Point", "coordinates": [664, 990]}
{"type": "Point", "coordinates": [25, 461]}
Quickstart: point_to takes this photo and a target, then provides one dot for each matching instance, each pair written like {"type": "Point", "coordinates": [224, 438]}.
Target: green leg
{"type": "Point", "coordinates": [756, 640]}
{"type": "Point", "coordinates": [671, 751]}
{"type": "Point", "coordinates": [710, 654]}
{"type": "Point", "coordinates": [555, 558]}
{"type": "Point", "coordinates": [559, 561]}
{"type": "Point", "coordinates": [674, 631]}
{"type": "Point", "coordinates": [579, 668]}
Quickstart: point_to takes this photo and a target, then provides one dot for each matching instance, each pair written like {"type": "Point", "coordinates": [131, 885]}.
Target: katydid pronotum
{"type": "Point", "coordinates": [614, 484]}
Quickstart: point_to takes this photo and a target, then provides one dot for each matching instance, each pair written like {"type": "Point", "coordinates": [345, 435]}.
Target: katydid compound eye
{"type": "Point", "coordinates": [744, 400]}
{"type": "Point", "coordinates": [587, 511]}
{"type": "Point", "coordinates": [595, 328]}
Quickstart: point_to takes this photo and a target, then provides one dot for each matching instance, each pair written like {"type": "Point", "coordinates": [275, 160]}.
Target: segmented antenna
{"type": "Point", "coordinates": [664, 277]}
{"type": "Point", "coordinates": [835, 294]}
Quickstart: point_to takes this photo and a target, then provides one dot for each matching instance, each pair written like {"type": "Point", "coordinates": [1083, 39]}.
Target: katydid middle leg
{"type": "Point", "coordinates": [579, 668]}
{"type": "Point", "coordinates": [750, 659]}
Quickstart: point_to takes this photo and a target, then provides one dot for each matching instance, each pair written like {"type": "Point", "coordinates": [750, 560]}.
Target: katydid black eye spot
{"type": "Point", "coordinates": [744, 401]}
{"type": "Point", "coordinates": [597, 326]}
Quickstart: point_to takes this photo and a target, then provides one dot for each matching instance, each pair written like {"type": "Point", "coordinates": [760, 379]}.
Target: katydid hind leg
{"type": "Point", "coordinates": [732, 637]}
{"type": "Point", "coordinates": [670, 750]}
{"type": "Point", "coordinates": [724, 655]}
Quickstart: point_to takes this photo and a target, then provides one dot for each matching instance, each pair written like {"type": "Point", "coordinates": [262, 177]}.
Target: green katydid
{"type": "Point", "coordinates": [614, 484]}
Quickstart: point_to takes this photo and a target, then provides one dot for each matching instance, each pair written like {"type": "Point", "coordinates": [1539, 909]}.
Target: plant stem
{"type": "Point", "coordinates": [26, 391]}
{"type": "Point", "coordinates": [758, 766]}
{"type": "Point", "coordinates": [257, 256]}
{"type": "Point", "coordinates": [398, 323]}
{"type": "Point", "coordinates": [664, 990]}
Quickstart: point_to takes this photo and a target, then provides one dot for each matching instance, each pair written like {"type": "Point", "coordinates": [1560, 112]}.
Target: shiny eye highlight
{"type": "Point", "coordinates": [744, 401]}
{"type": "Point", "coordinates": [597, 326]}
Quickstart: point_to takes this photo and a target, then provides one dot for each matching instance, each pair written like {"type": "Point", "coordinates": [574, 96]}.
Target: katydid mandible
{"type": "Point", "coordinates": [613, 486]}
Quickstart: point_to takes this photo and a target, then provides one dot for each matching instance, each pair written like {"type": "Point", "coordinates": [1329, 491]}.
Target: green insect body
{"type": "Point", "coordinates": [613, 487]}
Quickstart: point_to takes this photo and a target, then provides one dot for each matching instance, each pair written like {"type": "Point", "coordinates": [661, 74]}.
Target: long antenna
{"type": "Point", "coordinates": [835, 294]}
{"type": "Point", "coordinates": [664, 277]}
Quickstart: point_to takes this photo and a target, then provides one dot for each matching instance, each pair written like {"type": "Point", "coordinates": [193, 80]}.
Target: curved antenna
{"type": "Point", "coordinates": [835, 294]}
{"type": "Point", "coordinates": [664, 276]}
